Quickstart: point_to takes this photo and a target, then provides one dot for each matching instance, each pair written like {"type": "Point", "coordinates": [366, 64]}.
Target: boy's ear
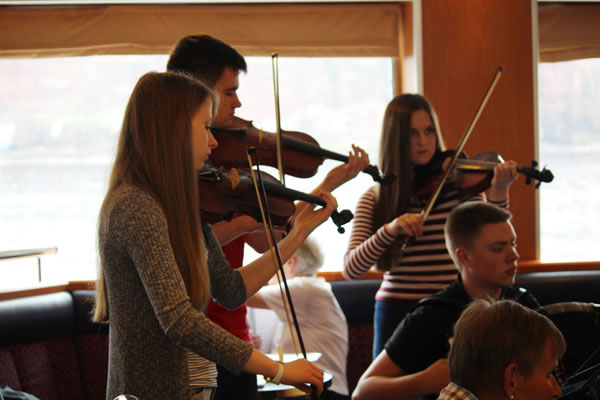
{"type": "Point", "coordinates": [510, 380]}
{"type": "Point", "coordinates": [462, 255]}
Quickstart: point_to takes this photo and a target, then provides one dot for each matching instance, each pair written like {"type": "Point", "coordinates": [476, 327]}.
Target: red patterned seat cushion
{"type": "Point", "coordinates": [93, 359]}
{"type": "Point", "coordinates": [359, 351]}
{"type": "Point", "coordinates": [49, 369]}
{"type": "Point", "coordinates": [8, 370]}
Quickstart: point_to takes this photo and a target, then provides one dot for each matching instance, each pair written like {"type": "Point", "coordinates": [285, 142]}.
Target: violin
{"type": "Point", "coordinates": [223, 194]}
{"type": "Point", "coordinates": [474, 175]}
{"type": "Point", "coordinates": [302, 154]}
{"type": "Point", "coordinates": [453, 162]}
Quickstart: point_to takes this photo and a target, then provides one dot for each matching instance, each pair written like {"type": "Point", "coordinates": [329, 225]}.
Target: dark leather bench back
{"type": "Point", "coordinates": [36, 318]}
{"type": "Point", "coordinates": [51, 349]}
{"type": "Point", "coordinates": [558, 287]}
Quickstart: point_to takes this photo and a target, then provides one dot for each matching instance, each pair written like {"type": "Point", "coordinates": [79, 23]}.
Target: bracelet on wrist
{"type": "Point", "coordinates": [277, 378]}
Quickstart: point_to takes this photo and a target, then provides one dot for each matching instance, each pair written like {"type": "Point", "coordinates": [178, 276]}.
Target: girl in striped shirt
{"type": "Point", "coordinates": [411, 143]}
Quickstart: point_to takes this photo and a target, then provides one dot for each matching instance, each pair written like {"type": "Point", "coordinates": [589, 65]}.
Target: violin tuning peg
{"type": "Point", "coordinates": [537, 185]}
{"type": "Point", "coordinates": [534, 163]}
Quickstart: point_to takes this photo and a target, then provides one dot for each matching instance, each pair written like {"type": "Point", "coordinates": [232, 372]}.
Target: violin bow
{"type": "Point", "coordinates": [275, 67]}
{"type": "Point", "coordinates": [461, 144]}
{"type": "Point", "coordinates": [276, 255]}
{"type": "Point", "coordinates": [278, 143]}
{"type": "Point", "coordinates": [269, 231]}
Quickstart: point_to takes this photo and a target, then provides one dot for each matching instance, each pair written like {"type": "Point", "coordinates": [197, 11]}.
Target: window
{"type": "Point", "coordinates": [60, 119]}
{"type": "Point", "coordinates": [338, 101]}
{"type": "Point", "coordinates": [569, 142]}
{"type": "Point", "coordinates": [59, 122]}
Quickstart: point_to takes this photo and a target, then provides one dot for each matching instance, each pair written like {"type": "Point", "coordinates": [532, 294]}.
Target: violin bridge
{"type": "Point", "coordinates": [234, 177]}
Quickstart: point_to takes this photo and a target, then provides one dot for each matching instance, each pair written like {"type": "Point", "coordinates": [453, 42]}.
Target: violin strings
{"type": "Point", "coordinates": [475, 163]}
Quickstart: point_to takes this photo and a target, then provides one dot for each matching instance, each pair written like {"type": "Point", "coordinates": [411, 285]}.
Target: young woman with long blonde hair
{"type": "Point", "coordinates": [160, 263]}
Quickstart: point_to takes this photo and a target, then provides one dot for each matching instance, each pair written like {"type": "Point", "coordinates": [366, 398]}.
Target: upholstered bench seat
{"type": "Point", "coordinates": [49, 347]}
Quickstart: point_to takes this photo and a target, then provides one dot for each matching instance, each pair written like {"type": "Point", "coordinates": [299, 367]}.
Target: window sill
{"type": "Point", "coordinates": [525, 267]}
{"type": "Point", "coordinates": [35, 290]}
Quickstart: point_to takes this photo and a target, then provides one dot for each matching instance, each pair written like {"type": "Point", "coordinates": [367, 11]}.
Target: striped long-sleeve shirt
{"type": "Point", "coordinates": [425, 267]}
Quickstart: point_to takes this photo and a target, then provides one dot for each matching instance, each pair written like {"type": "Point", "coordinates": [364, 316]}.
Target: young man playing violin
{"type": "Point", "coordinates": [414, 363]}
{"type": "Point", "coordinates": [219, 65]}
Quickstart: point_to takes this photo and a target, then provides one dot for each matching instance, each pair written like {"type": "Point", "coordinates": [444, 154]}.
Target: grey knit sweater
{"type": "Point", "coordinates": [152, 320]}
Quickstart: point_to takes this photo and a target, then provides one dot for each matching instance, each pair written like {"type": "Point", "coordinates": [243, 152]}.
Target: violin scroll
{"type": "Point", "coordinates": [531, 173]}
{"type": "Point", "coordinates": [341, 218]}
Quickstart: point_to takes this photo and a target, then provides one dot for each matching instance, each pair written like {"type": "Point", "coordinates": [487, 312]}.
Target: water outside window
{"type": "Point", "coordinates": [60, 119]}
{"type": "Point", "coordinates": [569, 143]}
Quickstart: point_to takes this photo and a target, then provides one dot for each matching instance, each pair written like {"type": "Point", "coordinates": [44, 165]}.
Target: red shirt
{"type": "Point", "coordinates": [233, 321]}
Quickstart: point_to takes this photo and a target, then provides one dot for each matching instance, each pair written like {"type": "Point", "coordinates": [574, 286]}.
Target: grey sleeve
{"type": "Point", "coordinates": [227, 286]}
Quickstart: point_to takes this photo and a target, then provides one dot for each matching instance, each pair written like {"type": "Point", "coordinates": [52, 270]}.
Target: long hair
{"type": "Point", "coordinates": [155, 154]}
{"type": "Point", "coordinates": [392, 200]}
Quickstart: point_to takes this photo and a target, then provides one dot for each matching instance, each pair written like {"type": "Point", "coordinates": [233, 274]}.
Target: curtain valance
{"type": "Point", "coordinates": [253, 29]}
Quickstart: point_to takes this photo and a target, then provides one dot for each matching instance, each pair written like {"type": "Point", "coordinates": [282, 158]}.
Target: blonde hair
{"type": "Point", "coordinates": [490, 336]}
{"type": "Point", "coordinates": [309, 258]}
{"type": "Point", "coordinates": [155, 154]}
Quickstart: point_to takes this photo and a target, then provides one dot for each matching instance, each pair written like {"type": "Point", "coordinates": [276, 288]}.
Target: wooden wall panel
{"type": "Point", "coordinates": [464, 41]}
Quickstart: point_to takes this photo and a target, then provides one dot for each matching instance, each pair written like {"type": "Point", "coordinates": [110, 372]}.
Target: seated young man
{"type": "Point", "coordinates": [324, 328]}
{"type": "Point", "coordinates": [414, 364]}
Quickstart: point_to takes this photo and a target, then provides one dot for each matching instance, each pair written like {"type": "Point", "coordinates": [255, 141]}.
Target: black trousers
{"type": "Point", "coordinates": [231, 386]}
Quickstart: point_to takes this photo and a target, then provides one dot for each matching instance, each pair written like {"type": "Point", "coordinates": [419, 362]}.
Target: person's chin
{"type": "Point", "coordinates": [230, 119]}
{"type": "Point", "coordinates": [511, 276]}
{"type": "Point", "coordinates": [423, 159]}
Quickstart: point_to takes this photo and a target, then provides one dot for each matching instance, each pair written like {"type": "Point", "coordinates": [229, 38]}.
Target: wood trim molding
{"type": "Point", "coordinates": [337, 275]}
{"type": "Point", "coordinates": [537, 266]}
{"type": "Point", "coordinates": [528, 266]}
{"type": "Point", "coordinates": [33, 291]}
{"type": "Point", "coordinates": [463, 45]}
{"type": "Point", "coordinates": [46, 289]}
